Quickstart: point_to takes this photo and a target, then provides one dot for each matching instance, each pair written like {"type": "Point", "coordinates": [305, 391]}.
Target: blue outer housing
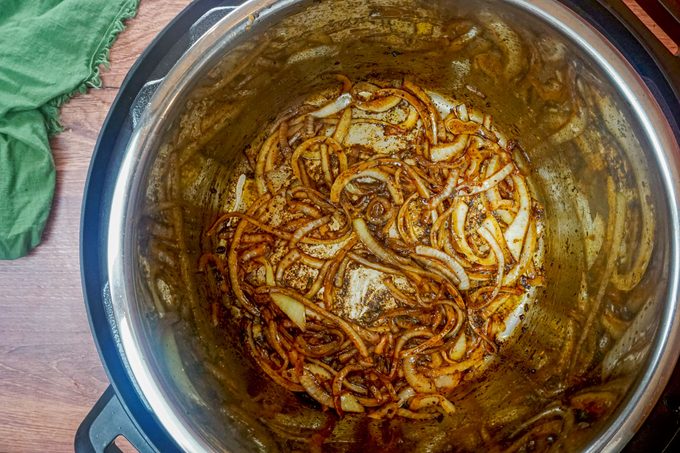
{"type": "Point", "coordinates": [154, 63]}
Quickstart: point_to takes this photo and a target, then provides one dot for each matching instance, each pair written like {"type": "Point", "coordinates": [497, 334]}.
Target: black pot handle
{"type": "Point", "coordinates": [106, 421]}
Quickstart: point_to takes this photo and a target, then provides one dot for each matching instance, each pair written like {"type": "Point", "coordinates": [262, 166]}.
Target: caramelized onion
{"type": "Point", "coordinates": [381, 104]}
{"type": "Point", "coordinates": [492, 181]}
{"type": "Point", "coordinates": [342, 128]}
{"type": "Point", "coordinates": [364, 235]}
{"type": "Point", "coordinates": [446, 192]}
{"type": "Point", "coordinates": [416, 380]}
{"type": "Point", "coordinates": [451, 263]}
{"type": "Point", "coordinates": [413, 231]}
{"type": "Point", "coordinates": [486, 231]}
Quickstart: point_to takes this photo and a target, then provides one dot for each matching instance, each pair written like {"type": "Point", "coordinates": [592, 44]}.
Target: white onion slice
{"type": "Point", "coordinates": [342, 102]}
{"type": "Point", "coordinates": [373, 246]}
{"type": "Point", "coordinates": [527, 254]}
{"type": "Point", "coordinates": [451, 263]}
{"type": "Point", "coordinates": [406, 395]}
{"type": "Point", "coordinates": [458, 226]}
{"type": "Point", "coordinates": [312, 387]}
{"type": "Point", "coordinates": [447, 381]}
{"type": "Point", "coordinates": [292, 308]}
{"type": "Point", "coordinates": [492, 194]}
{"type": "Point", "coordinates": [349, 403]}
{"type": "Point", "coordinates": [238, 196]}
{"type": "Point", "coordinates": [448, 151]}
{"type": "Point", "coordinates": [493, 181]}
{"type": "Point", "coordinates": [514, 235]}
{"type": "Point", "coordinates": [457, 351]}
{"type": "Point", "coordinates": [486, 231]}
{"type": "Point", "coordinates": [446, 192]}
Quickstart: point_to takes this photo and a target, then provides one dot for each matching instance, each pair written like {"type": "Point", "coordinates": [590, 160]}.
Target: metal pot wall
{"type": "Point", "coordinates": [185, 384]}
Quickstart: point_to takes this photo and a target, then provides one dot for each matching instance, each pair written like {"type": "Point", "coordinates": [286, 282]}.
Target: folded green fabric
{"type": "Point", "coordinates": [49, 50]}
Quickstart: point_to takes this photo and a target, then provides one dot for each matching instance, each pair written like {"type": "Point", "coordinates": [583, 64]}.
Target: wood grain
{"type": "Point", "coordinates": [50, 373]}
{"type": "Point", "coordinates": [656, 30]}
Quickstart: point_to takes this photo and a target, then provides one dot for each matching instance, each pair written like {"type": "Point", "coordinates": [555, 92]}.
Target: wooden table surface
{"type": "Point", "coordinates": [50, 373]}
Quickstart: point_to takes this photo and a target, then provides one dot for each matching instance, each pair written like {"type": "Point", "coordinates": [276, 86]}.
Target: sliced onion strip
{"type": "Point", "coordinates": [451, 263]}
{"type": "Point", "coordinates": [450, 151]}
{"type": "Point", "coordinates": [365, 236]}
{"type": "Point", "coordinates": [493, 181]}
{"type": "Point", "coordinates": [419, 382]}
{"type": "Point", "coordinates": [487, 232]}
{"type": "Point", "coordinates": [514, 234]}
{"type": "Point", "coordinates": [378, 104]}
{"type": "Point", "coordinates": [340, 103]}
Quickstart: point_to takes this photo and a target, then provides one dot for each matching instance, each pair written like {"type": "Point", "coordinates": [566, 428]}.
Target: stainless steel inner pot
{"type": "Point", "coordinates": [266, 55]}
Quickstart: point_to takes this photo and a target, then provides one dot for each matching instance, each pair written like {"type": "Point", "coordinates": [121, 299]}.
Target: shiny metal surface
{"type": "Point", "coordinates": [169, 99]}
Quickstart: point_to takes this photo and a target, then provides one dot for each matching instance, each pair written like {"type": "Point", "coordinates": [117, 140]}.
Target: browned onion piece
{"type": "Point", "coordinates": [378, 211]}
{"type": "Point", "coordinates": [267, 368]}
{"type": "Point", "coordinates": [416, 380]}
{"type": "Point", "coordinates": [262, 160]}
{"type": "Point", "coordinates": [460, 235]}
{"type": "Point", "coordinates": [345, 326]}
{"type": "Point", "coordinates": [446, 192]}
{"type": "Point", "coordinates": [304, 146]}
{"type": "Point", "coordinates": [313, 389]}
{"type": "Point", "coordinates": [410, 121]}
{"type": "Point", "coordinates": [306, 229]}
{"type": "Point", "coordinates": [343, 126]}
{"type": "Point", "coordinates": [379, 175]}
{"type": "Point", "coordinates": [425, 401]}
{"type": "Point", "coordinates": [423, 112]}
{"type": "Point", "coordinates": [416, 415]}
{"type": "Point", "coordinates": [438, 132]}
{"type": "Point", "coordinates": [381, 104]}
{"type": "Point", "coordinates": [348, 175]}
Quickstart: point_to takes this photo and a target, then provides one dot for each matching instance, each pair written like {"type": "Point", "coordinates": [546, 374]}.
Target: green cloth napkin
{"type": "Point", "coordinates": [49, 50]}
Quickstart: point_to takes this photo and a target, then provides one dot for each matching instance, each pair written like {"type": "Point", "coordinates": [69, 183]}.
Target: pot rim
{"type": "Point", "coordinates": [646, 111]}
